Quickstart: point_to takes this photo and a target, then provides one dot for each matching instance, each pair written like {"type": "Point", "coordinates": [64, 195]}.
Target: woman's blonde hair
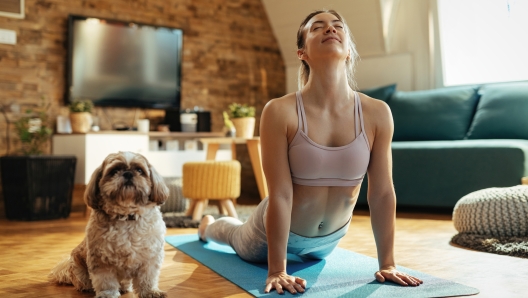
{"type": "Point", "coordinates": [350, 64]}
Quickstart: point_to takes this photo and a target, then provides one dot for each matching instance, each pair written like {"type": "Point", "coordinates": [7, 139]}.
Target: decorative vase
{"type": "Point", "coordinates": [245, 127]}
{"type": "Point", "coordinates": [81, 122]}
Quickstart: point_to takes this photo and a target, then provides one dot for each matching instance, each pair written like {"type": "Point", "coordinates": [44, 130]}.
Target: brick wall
{"type": "Point", "coordinates": [230, 54]}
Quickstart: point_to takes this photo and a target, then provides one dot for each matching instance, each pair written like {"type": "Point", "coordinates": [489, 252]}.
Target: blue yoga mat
{"type": "Point", "coordinates": [342, 274]}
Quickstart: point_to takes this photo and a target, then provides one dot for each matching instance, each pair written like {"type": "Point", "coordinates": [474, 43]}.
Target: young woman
{"type": "Point", "coordinates": [317, 145]}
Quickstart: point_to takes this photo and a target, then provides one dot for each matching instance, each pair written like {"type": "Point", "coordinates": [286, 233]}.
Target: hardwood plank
{"type": "Point", "coordinates": [28, 250]}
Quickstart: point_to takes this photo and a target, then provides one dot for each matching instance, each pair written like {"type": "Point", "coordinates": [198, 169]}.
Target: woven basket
{"type": "Point", "coordinates": [37, 187]}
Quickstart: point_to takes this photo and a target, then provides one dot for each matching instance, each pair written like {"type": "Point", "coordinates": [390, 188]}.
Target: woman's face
{"type": "Point", "coordinates": [325, 36]}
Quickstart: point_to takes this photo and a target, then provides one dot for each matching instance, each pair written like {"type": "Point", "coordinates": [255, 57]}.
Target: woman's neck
{"type": "Point", "coordinates": [327, 83]}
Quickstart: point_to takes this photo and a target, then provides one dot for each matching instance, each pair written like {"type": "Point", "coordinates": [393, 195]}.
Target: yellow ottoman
{"type": "Point", "coordinates": [211, 180]}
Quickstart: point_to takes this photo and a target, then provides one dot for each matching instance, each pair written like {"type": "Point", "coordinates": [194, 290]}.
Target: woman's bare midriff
{"type": "Point", "coordinates": [321, 210]}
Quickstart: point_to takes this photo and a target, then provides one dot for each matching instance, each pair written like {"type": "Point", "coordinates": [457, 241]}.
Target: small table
{"type": "Point", "coordinates": [253, 145]}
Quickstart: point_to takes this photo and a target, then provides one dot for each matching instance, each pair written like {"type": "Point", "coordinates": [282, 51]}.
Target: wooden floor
{"type": "Point", "coordinates": [28, 250]}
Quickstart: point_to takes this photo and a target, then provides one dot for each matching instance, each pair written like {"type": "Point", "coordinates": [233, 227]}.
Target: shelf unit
{"type": "Point", "coordinates": [93, 147]}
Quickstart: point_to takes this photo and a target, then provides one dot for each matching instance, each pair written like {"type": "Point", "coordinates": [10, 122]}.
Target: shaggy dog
{"type": "Point", "coordinates": [124, 236]}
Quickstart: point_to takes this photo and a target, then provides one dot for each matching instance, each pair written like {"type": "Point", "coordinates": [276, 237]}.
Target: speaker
{"type": "Point", "coordinates": [204, 121]}
{"type": "Point", "coordinates": [172, 118]}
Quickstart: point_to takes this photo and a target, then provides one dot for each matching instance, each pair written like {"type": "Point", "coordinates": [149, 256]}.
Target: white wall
{"type": "Point", "coordinates": [385, 70]}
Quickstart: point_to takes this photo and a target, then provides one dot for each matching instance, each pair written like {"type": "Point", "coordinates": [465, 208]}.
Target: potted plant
{"type": "Point", "coordinates": [33, 130]}
{"type": "Point", "coordinates": [243, 118]}
{"type": "Point", "coordinates": [81, 115]}
{"type": "Point", "coordinates": [36, 186]}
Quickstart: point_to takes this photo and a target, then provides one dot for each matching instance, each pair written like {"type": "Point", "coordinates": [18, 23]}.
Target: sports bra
{"type": "Point", "coordinates": [316, 165]}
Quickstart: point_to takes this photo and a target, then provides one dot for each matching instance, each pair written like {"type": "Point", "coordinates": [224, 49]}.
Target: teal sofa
{"type": "Point", "coordinates": [451, 141]}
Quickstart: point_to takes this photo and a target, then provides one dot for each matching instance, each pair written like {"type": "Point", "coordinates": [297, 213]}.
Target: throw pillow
{"type": "Point", "coordinates": [382, 93]}
{"type": "Point", "coordinates": [502, 112]}
{"type": "Point", "coordinates": [438, 114]}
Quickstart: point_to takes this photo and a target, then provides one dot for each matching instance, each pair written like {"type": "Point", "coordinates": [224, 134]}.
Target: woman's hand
{"type": "Point", "coordinates": [396, 276]}
{"type": "Point", "coordinates": [281, 280]}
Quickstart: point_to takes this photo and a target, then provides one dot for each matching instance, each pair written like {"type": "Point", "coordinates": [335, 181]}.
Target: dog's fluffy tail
{"type": "Point", "coordinates": [61, 274]}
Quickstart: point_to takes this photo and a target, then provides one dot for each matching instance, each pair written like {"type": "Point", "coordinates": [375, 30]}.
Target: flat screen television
{"type": "Point", "coordinates": [123, 64]}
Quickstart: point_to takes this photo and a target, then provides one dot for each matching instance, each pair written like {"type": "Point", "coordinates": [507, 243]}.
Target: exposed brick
{"type": "Point", "coordinates": [227, 44]}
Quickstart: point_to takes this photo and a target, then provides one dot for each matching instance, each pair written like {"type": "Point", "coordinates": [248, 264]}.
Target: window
{"type": "Point", "coordinates": [483, 41]}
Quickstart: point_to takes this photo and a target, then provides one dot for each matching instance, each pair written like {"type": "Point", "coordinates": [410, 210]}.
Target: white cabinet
{"type": "Point", "coordinates": [92, 148]}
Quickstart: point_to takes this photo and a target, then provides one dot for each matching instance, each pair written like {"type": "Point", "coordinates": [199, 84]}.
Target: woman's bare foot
{"type": "Point", "coordinates": [206, 220]}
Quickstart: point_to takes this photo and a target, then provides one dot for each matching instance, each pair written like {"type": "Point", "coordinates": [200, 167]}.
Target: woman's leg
{"type": "Point", "coordinates": [219, 231]}
{"type": "Point", "coordinates": [247, 239]}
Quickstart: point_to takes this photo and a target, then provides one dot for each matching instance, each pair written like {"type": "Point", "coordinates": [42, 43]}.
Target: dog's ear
{"type": "Point", "coordinates": [91, 194]}
{"type": "Point", "coordinates": [159, 192]}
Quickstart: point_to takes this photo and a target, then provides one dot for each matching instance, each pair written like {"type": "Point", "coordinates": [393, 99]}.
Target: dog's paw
{"type": "Point", "coordinates": [126, 287]}
{"type": "Point", "coordinates": [152, 294]}
{"type": "Point", "coordinates": [107, 294]}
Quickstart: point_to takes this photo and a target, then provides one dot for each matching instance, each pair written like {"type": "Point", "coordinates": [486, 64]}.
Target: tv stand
{"type": "Point", "coordinates": [123, 128]}
{"type": "Point", "coordinates": [93, 147]}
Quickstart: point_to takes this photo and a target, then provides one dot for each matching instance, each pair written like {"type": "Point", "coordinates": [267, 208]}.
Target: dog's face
{"type": "Point", "coordinates": [123, 183]}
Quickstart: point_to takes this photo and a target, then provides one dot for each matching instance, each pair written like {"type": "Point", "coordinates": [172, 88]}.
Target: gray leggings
{"type": "Point", "coordinates": [249, 239]}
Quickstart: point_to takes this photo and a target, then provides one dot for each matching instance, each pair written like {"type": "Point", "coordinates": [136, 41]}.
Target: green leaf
{"type": "Point", "coordinates": [237, 110]}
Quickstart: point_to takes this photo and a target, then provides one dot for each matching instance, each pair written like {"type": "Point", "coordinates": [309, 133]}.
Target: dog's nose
{"type": "Point", "coordinates": [128, 175]}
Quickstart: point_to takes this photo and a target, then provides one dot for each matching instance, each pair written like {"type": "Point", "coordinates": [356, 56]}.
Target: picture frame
{"type": "Point", "coordinates": [12, 9]}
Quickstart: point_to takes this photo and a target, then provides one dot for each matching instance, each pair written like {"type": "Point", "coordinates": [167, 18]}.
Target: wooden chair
{"type": "Point", "coordinates": [211, 180]}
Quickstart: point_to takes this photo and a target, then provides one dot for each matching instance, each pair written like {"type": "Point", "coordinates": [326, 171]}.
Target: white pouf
{"type": "Point", "coordinates": [493, 211]}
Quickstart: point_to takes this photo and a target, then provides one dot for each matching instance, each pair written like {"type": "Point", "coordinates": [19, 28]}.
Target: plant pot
{"type": "Point", "coordinates": [81, 122]}
{"type": "Point", "coordinates": [245, 126]}
{"type": "Point", "coordinates": [37, 187]}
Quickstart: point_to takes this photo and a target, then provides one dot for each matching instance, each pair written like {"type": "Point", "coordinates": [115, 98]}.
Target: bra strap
{"type": "Point", "coordinates": [360, 109]}
{"type": "Point", "coordinates": [300, 112]}
{"type": "Point", "coordinates": [356, 114]}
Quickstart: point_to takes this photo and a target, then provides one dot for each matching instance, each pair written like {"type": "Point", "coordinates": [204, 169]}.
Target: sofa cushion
{"type": "Point", "coordinates": [438, 114]}
{"type": "Point", "coordinates": [502, 112]}
{"type": "Point", "coordinates": [382, 93]}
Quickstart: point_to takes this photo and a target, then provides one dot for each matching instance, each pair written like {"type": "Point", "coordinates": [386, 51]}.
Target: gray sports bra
{"type": "Point", "coordinates": [316, 165]}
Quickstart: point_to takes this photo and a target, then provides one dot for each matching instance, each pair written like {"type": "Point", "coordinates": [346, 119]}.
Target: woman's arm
{"type": "Point", "coordinates": [274, 145]}
{"type": "Point", "coordinates": [381, 195]}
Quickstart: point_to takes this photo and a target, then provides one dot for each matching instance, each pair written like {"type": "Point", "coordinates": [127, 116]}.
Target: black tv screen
{"type": "Point", "coordinates": [124, 64]}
